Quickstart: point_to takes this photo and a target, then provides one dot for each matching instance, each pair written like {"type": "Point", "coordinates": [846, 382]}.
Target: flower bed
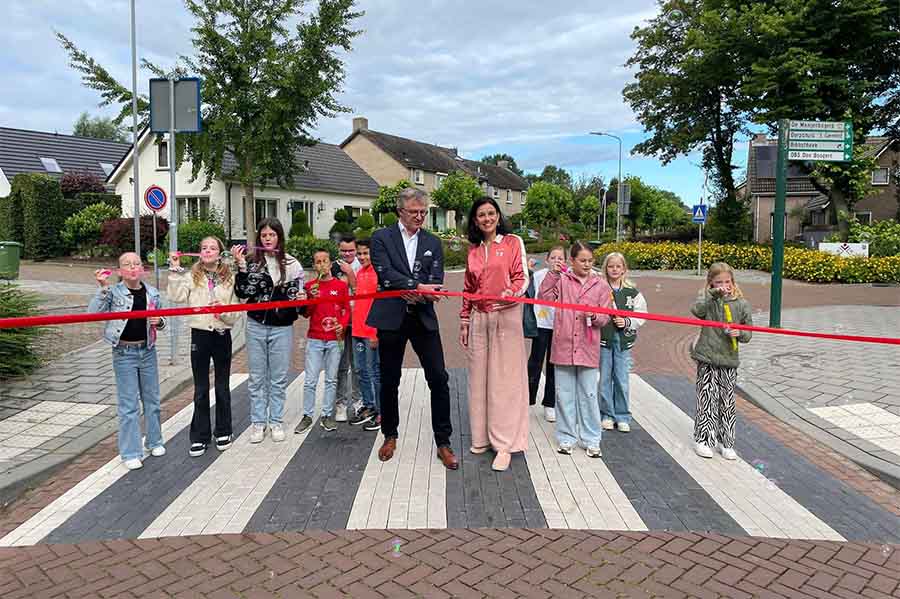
{"type": "Point", "coordinates": [799, 263]}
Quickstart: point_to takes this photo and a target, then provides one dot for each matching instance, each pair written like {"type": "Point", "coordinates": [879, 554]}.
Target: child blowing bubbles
{"type": "Point", "coordinates": [716, 354]}
{"type": "Point", "coordinates": [575, 352]}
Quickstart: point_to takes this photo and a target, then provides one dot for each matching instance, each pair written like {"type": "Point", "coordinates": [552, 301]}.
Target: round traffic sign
{"type": "Point", "coordinates": [155, 198]}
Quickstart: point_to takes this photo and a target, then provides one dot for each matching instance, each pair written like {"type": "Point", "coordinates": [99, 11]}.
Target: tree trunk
{"type": "Point", "coordinates": [840, 209]}
{"type": "Point", "coordinates": [249, 202]}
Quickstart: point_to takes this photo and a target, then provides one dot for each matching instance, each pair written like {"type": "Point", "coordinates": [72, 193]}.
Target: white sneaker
{"type": "Point", "coordinates": [550, 414]}
{"type": "Point", "coordinates": [158, 452]}
{"type": "Point", "coordinates": [277, 432]}
{"type": "Point", "coordinates": [257, 433]}
{"type": "Point", "coordinates": [565, 449]}
{"type": "Point", "coordinates": [623, 427]}
{"type": "Point", "coordinates": [702, 450]}
{"type": "Point", "coordinates": [134, 464]}
{"type": "Point", "coordinates": [594, 452]}
{"type": "Point", "coordinates": [607, 424]}
{"type": "Point", "coordinates": [340, 413]}
{"type": "Point", "coordinates": [728, 453]}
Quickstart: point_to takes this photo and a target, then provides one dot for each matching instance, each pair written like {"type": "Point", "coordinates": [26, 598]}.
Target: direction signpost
{"type": "Point", "coordinates": [814, 141]}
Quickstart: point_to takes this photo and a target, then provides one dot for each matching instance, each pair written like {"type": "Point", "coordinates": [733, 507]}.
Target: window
{"type": "Point", "coordinates": [772, 225]}
{"type": "Point", "coordinates": [417, 176]}
{"type": "Point", "coordinates": [266, 209]}
{"type": "Point", "coordinates": [495, 193]}
{"type": "Point", "coordinates": [819, 217]}
{"type": "Point", "coordinates": [523, 197]}
{"type": "Point", "coordinates": [355, 211]}
{"type": "Point", "coordinates": [192, 208]}
{"type": "Point", "coordinates": [509, 196]}
{"type": "Point", "coordinates": [881, 176]}
{"type": "Point", "coordinates": [162, 155]}
{"type": "Point", "coordinates": [50, 165]}
{"type": "Point", "coordinates": [307, 208]}
{"type": "Point", "coordinates": [107, 168]}
{"type": "Point", "coordinates": [439, 179]}
{"type": "Point", "coordinates": [864, 218]}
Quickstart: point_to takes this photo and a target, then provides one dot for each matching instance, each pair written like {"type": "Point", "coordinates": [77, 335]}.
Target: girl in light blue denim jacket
{"type": "Point", "coordinates": [134, 356]}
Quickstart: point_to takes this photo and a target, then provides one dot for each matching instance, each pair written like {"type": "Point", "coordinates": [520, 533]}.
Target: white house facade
{"type": "Point", "coordinates": [327, 180]}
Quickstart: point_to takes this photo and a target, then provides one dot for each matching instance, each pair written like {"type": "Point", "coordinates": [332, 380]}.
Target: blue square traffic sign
{"type": "Point", "coordinates": [698, 213]}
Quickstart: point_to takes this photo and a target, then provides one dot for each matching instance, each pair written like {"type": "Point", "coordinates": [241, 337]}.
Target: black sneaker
{"type": "Point", "coordinates": [374, 424]}
{"type": "Point", "coordinates": [328, 423]}
{"type": "Point", "coordinates": [303, 425]}
{"type": "Point", "coordinates": [197, 449]}
{"type": "Point", "coordinates": [223, 443]}
{"type": "Point", "coordinates": [363, 416]}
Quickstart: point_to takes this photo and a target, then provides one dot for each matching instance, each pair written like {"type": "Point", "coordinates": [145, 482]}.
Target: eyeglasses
{"type": "Point", "coordinates": [419, 213]}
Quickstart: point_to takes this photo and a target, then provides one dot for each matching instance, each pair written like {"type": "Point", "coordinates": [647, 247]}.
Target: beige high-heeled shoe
{"type": "Point", "coordinates": [501, 462]}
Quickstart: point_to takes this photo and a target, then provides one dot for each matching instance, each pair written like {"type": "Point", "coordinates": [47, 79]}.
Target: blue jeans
{"type": "Point", "coordinates": [268, 359]}
{"type": "Point", "coordinates": [615, 365]}
{"type": "Point", "coordinates": [577, 408]}
{"type": "Point", "coordinates": [367, 365]}
{"type": "Point", "coordinates": [137, 381]}
{"type": "Point", "coordinates": [320, 354]}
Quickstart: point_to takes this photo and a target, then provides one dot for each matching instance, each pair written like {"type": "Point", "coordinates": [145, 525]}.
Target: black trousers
{"type": "Point", "coordinates": [427, 345]}
{"type": "Point", "coordinates": [206, 345]}
{"type": "Point", "coordinates": [540, 350]}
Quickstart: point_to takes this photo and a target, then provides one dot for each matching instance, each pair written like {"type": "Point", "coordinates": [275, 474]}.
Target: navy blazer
{"type": "Point", "coordinates": [389, 260]}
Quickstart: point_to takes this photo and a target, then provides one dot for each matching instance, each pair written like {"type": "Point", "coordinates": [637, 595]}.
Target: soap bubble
{"type": "Point", "coordinates": [772, 484]}
{"type": "Point", "coordinates": [455, 245]}
{"type": "Point", "coordinates": [395, 547]}
{"type": "Point", "coordinates": [886, 550]}
{"type": "Point", "coordinates": [658, 288]}
{"type": "Point", "coordinates": [759, 465]}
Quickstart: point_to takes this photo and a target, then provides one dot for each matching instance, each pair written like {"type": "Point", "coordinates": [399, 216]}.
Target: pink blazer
{"type": "Point", "coordinates": [574, 344]}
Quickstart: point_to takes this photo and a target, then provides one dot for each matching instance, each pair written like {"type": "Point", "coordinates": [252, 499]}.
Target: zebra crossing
{"type": "Point", "coordinates": [648, 479]}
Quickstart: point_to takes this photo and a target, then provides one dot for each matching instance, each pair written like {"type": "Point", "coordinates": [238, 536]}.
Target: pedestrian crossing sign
{"type": "Point", "coordinates": [699, 214]}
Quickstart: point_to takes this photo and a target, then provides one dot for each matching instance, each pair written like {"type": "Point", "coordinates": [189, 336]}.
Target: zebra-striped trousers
{"type": "Point", "coordinates": [715, 418]}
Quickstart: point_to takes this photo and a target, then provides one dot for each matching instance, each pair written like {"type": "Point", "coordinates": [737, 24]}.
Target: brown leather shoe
{"type": "Point", "coordinates": [387, 449]}
{"type": "Point", "coordinates": [446, 456]}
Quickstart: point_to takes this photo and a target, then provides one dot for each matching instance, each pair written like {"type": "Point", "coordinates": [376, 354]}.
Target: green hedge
{"type": "Point", "coordinates": [799, 263]}
{"type": "Point", "coordinates": [43, 214]}
{"type": "Point", "coordinates": [192, 232]}
{"type": "Point", "coordinates": [302, 248]}
{"type": "Point", "coordinates": [86, 198]}
{"type": "Point", "coordinates": [11, 220]}
{"type": "Point", "coordinates": [81, 231]}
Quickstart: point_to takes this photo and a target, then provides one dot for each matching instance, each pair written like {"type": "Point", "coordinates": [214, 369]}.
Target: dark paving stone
{"type": "Point", "coordinates": [476, 495]}
{"type": "Point", "coordinates": [317, 488]}
{"type": "Point", "coordinates": [845, 509]}
{"type": "Point", "coordinates": [134, 501]}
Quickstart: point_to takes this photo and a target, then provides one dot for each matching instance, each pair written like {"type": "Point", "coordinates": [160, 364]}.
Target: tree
{"type": "Point", "coordinates": [99, 128]}
{"type": "Point", "coordinates": [496, 158]}
{"type": "Point", "coordinates": [268, 76]}
{"type": "Point", "coordinates": [546, 203]}
{"type": "Point", "coordinates": [80, 182]}
{"type": "Point", "coordinates": [556, 176]}
{"type": "Point", "coordinates": [590, 209]}
{"type": "Point", "coordinates": [386, 202]}
{"type": "Point", "coordinates": [458, 192]}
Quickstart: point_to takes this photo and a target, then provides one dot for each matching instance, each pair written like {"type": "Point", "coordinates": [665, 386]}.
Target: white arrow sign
{"type": "Point", "coordinates": [817, 125]}
{"type": "Point", "coordinates": [818, 135]}
{"type": "Point", "coordinates": [819, 156]}
{"type": "Point", "coordinates": [821, 146]}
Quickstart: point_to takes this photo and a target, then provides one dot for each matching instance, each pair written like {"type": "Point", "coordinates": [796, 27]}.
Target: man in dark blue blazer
{"type": "Point", "coordinates": [408, 258]}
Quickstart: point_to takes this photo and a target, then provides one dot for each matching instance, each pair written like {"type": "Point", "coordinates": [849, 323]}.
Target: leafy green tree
{"type": "Point", "coordinates": [268, 75]}
{"type": "Point", "coordinates": [386, 202]}
{"type": "Point", "coordinates": [457, 192]}
{"type": "Point", "coordinates": [590, 209]}
{"type": "Point", "coordinates": [496, 158]}
{"type": "Point", "coordinates": [557, 176]}
{"type": "Point", "coordinates": [99, 127]}
{"type": "Point", "coordinates": [546, 204]}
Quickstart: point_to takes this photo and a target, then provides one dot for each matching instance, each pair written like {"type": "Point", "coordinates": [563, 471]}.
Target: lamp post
{"type": "Point", "coordinates": [134, 133]}
{"type": "Point", "coordinates": [619, 192]}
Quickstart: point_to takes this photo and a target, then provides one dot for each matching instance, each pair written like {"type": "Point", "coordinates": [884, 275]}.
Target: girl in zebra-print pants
{"type": "Point", "coordinates": [716, 354]}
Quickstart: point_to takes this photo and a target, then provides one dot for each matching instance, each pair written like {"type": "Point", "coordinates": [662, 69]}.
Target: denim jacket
{"type": "Point", "coordinates": [117, 298]}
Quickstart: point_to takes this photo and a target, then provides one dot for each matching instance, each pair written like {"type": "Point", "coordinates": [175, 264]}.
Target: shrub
{"type": "Point", "coordinates": [81, 231]}
{"type": "Point", "coordinates": [799, 263]}
{"type": "Point", "coordinates": [302, 248]}
{"type": "Point", "coordinates": [365, 224]}
{"type": "Point", "coordinates": [192, 232]}
{"type": "Point", "coordinates": [883, 237]}
{"type": "Point", "coordinates": [85, 199]}
{"type": "Point", "coordinates": [43, 214]}
{"type": "Point", "coordinates": [455, 252]}
{"type": "Point", "coordinates": [118, 233]}
{"type": "Point", "coordinates": [299, 224]}
{"type": "Point", "coordinates": [74, 183]}
{"type": "Point", "coordinates": [19, 353]}
{"type": "Point", "coordinates": [11, 218]}
{"type": "Point", "coordinates": [389, 220]}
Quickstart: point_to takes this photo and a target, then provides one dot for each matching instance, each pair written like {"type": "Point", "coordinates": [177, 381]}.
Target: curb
{"type": "Point", "coordinates": [22, 478]}
{"type": "Point", "coordinates": [884, 470]}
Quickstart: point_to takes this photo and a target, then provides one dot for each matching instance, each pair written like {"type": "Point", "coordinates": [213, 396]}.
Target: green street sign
{"type": "Point", "coordinates": [820, 141]}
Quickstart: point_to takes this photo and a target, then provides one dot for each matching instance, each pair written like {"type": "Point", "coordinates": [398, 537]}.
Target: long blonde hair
{"type": "Point", "coordinates": [718, 268]}
{"type": "Point", "coordinates": [626, 282]}
{"type": "Point", "coordinates": [223, 271]}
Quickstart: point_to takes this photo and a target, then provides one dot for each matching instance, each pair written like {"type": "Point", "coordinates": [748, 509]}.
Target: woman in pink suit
{"type": "Point", "coordinates": [492, 332]}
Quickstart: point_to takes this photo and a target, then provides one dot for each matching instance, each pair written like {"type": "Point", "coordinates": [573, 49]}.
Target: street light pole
{"type": "Point", "coordinates": [134, 133]}
{"type": "Point", "coordinates": [619, 189]}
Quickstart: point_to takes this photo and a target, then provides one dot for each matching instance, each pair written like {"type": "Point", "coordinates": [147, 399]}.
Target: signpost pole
{"type": "Point", "coordinates": [778, 225]}
{"type": "Point", "coordinates": [173, 206]}
{"type": "Point", "coordinates": [700, 251]}
{"type": "Point", "coordinates": [155, 253]}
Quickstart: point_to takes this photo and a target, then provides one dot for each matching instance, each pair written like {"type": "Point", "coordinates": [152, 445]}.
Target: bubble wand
{"type": "Point", "coordinates": [728, 331]}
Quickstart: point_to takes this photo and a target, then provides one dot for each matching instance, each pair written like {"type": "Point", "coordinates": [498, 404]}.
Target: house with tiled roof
{"type": "Point", "coordinates": [808, 214]}
{"type": "Point", "coordinates": [326, 179]}
{"type": "Point", "coordinates": [25, 151]}
{"type": "Point", "coordinates": [390, 159]}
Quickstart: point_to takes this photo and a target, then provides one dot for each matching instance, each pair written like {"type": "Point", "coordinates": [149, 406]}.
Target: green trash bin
{"type": "Point", "coordinates": [10, 252]}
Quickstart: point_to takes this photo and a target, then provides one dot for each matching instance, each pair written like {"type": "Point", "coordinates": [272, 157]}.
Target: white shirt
{"type": "Point", "coordinates": [411, 243]}
{"type": "Point", "coordinates": [543, 314]}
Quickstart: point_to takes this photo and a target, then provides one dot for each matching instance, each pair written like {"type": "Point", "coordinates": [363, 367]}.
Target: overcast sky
{"type": "Point", "coordinates": [498, 76]}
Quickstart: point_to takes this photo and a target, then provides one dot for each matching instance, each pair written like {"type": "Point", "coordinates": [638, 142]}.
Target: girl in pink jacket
{"type": "Point", "coordinates": [575, 352]}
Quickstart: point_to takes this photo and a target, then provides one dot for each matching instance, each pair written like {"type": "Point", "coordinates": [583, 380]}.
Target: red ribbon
{"type": "Point", "coordinates": [36, 321]}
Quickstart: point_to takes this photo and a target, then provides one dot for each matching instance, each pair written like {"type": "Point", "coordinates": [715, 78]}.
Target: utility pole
{"type": "Point", "coordinates": [619, 191]}
{"type": "Point", "coordinates": [134, 134]}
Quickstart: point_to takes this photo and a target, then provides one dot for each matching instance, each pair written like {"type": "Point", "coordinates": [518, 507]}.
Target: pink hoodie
{"type": "Point", "coordinates": [574, 344]}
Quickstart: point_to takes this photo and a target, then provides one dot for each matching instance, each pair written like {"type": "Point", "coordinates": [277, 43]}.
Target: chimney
{"type": "Point", "coordinates": [360, 123]}
{"type": "Point", "coordinates": [503, 164]}
{"type": "Point", "coordinates": [454, 151]}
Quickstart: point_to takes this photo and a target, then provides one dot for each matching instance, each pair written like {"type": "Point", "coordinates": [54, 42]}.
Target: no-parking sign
{"type": "Point", "coordinates": [155, 198]}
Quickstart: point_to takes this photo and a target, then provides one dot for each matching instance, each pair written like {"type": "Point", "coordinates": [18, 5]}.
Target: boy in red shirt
{"type": "Point", "coordinates": [327, 323]}
{"type": "Point", "coordinates": [365, 342]}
